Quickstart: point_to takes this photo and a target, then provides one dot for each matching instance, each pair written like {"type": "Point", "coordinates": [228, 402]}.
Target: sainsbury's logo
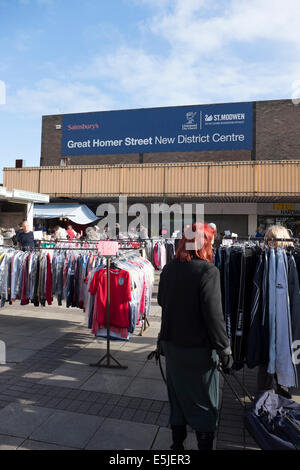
{"type": "Point", "coordinates": [77, 127]}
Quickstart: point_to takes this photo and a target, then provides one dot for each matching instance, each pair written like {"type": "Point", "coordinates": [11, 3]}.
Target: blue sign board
{"type": "Point", "coordinates": [173, 129]}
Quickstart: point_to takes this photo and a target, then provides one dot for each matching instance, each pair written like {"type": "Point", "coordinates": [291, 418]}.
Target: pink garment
{"type": "Point", "coordinates": [156, 257]}
{"type": "Point", "coordinates": [143, 299]}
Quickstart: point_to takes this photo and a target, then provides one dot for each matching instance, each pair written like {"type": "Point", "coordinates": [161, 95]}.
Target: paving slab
{"type": "Point", "coordinates": [107, 382]}
{"type": "Point", "coordinates": [66, 428]}
{"type": "Point", "coordinates": [163, 440]}
{"type": "Point", "coordinates": [15, 354]}
{"type": "Point", "coordinates": [13, 340]}
{"type": "Point", "coordinates": [35, 445]}
{"type": "Point", "coordinates": [51, 332]}
{"type": "Point", "coordinates": [4, 368]}
{"type": "Point", "coordinates": [35, 343]}
{"type": "Point", "coordinates": [69, 375]}
{"type": "Point", "coordinates": [140, 344]}
{"type": "Point", "coordinates": [10, 443]}
{"type": "Point", "coordinates": [88, 355]}
{"type": "Point", "coordinates": [221, 445]}
{"type": "Point", "coordinates": [85, 356]}
{"type": "Point", "coordinates": [101, 345]}
{"type": "Point", "coordinates": [132, 369]}
{"type": "Point", "coordinates": [147, 388]}
{"type": "Point", "coordinates": [151, 371]}
{"type": "Point", "coordinates": [139, 355]}
{"type": "Point", "coordinates": [21, 420]}
{"type": "Point", "coordinates": [123, 435]}
{"type": "Point", "coordinates": [38, 376]}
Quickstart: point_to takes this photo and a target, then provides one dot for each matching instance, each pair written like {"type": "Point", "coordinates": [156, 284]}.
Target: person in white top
{"type": "Point", "coordinates": [60, 233]}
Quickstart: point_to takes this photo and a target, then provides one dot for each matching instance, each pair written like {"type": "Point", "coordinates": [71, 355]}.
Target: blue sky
{"type": "Point", "coordinates": [61, 56]}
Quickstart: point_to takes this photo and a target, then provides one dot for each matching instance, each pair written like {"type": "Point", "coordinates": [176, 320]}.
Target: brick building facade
{"type": "Point", "coordinates": [275, 137]}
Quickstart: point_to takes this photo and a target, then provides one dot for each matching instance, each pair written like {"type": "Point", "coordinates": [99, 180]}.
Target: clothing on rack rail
{"type": "Point", "coordinates": [160, 251]}
{"type": "Point", "coordinates": [26, 276]}
{"type": "Point", "coordinates": [261, 306]}
{"type": "Point", "coordinates": [131, 279]}
{"type": "Point", "coordinates": [38, 275]}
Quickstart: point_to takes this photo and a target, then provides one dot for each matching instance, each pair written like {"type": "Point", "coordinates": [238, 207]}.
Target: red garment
{"type": "Point", "coordinates": [49, 297]}
{"type": "Point", "coordinates": [120, 295]}
{"type": "Point", "coordinates": [71, 234]}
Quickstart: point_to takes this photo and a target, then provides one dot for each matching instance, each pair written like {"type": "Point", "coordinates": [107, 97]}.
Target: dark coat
{"type": "Point", "coordinates": [190, 296]}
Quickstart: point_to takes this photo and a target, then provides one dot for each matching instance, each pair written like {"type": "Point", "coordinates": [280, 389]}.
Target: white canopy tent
{"type": "Point", "coordinates": [77, 213]}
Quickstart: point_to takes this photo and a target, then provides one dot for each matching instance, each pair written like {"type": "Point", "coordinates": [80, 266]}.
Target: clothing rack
{"type": "Point", "coordinates": [262, 239]}
{"type": "Point", "coordinates": [94, 242]}
{"type": "Point", "coordinates": [106, 360]}
{"type": "Point", "coordinates": [145, 325]}
{"type": "Point", "coordinates": [245, 313]}
{"type": "Point", "coordinates": [108, 356]}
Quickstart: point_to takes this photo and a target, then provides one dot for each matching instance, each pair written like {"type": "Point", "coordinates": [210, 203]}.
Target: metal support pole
{"type": "Point", "coordinates": [145, 326]}
{"type": "Point", "coordinates": [108, 356]}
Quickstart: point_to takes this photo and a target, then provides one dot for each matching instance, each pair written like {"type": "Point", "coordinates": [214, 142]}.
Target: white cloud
{"type": "Point", "coordinates": [240, 21]}
{"type": "Point", "coordinates": [204, 62]}
{"type": "Point", "coordinates": [53, 97]}
{"type": "Point", "coordinates": [152, 81]}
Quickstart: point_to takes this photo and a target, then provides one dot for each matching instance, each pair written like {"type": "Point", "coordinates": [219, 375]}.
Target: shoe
{"type": "Point", "coordinates": [282, 392]}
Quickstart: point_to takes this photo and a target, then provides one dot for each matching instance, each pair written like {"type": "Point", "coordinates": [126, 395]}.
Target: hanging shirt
{"type": "Point", "coordinates": [120, 295]}
{"type": "Point", "coordinates": [71, 234]}
{"type": "Point", "coordinates": [49, 297]}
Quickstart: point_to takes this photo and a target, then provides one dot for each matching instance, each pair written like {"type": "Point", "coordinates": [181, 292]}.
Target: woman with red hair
{"type": "Point", "coordinates": [193, 336]}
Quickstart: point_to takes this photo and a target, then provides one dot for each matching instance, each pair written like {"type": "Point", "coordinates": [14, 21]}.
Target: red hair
{"type": "Point", "coordinates": [201, 244]}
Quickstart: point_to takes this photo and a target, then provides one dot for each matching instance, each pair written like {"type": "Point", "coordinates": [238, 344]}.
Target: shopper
{"type": "Point", "coordinates": [71, 232]}
{"type": "Point", "coordinates": [18, 230]}
{"type": "Point", "coordinates": [213, 226]}
{"type": "Point", "coordinates": [143, 232]}
{"type": "Point", "coordinates": [60, 233]}
{"type": "Point", "coordinates": [193, 337]}
{"type": "Point", "coordinates": [260, 232]}
{"type": "Point", "coordinates": [25, 239]}
{"type": "Point", "coordinates": [267, 380]}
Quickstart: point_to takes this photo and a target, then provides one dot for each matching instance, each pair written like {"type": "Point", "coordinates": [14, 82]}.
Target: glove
{"type": "Point", "coordinates": [226, 363]}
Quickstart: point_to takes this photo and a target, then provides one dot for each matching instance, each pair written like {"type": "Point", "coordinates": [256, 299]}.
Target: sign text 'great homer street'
{"type": "Point", "coordinates": [178, 129]}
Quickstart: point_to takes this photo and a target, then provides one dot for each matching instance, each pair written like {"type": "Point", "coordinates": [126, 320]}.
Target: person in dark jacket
{"type": "Point", "coordinates": [193, 337]}
{"type": "Point", "coordinates": [25, 237]}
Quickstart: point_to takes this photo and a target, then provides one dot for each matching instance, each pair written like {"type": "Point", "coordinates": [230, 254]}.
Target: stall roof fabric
{"type": "Point", "coordinates": [77, 213]}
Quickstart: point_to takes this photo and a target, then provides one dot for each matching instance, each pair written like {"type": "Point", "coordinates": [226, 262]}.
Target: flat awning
{"type": "Point", "coordinates": [77, 213]}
